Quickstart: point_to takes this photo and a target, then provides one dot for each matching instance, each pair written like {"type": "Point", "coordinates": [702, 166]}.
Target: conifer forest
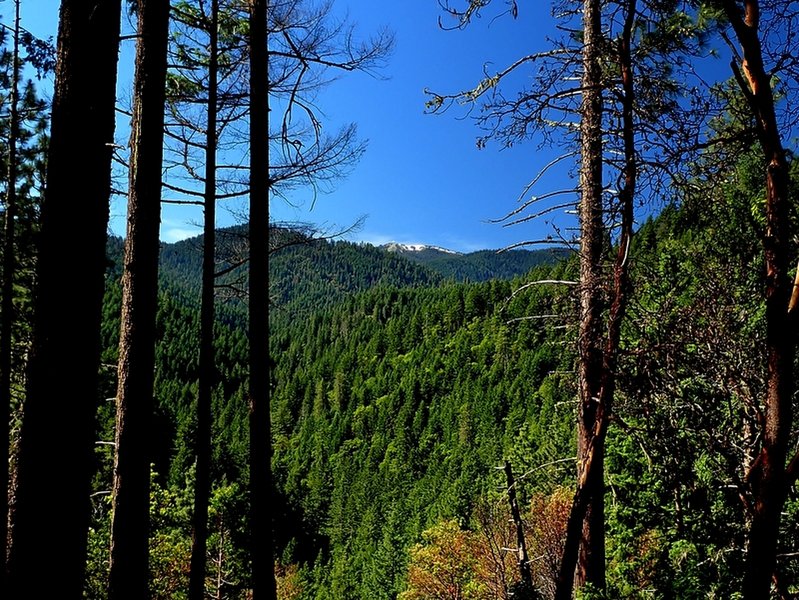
{"type": "Point", "coordinates": [271, 409]}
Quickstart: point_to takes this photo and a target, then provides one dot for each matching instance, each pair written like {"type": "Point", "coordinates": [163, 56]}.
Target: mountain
{"type": "Point", "coordinates": [395, 392]}
{"type": "Point", "coordinates": [482, 265]}
{"type": "Point", "coordinates": [317, 273]}
{"type": "Point", "coordinates": [308, 273]}
{"type": "Point", "coordinates": [421, 252]}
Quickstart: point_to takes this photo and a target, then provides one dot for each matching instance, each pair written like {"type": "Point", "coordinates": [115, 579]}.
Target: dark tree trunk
{"type": "Point", "coordinates": [7, 317]}
{"type": "Point", "coordinates": [262, 553]}
{"type": "Point", "coordinates": [621, 272]}
{"type": "Point", "coordinates": [767, 477]}
{"type": "Point", "coordinates": [56, 448]}
{"type": "Point", "coordinates": [585, 530]}
{"type": "Point", "coordinates": [129, 568]}
{"type": "Point", "coordinates": [207, 378]}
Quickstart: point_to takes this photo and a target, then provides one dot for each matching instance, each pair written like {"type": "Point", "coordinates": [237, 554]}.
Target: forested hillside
{"type": "Point", "coordinates": [398, 399]}
{"type": "Point", "coordinates": [320, 272]}
{"type": "Point", "coordinates": [392, 411]}
{"type": "Point", "coordinates": [395, 411]}
{"type": "Point", "coordinates": [484, 265]}
{"type": "Point", "coordinates": [380, 408]}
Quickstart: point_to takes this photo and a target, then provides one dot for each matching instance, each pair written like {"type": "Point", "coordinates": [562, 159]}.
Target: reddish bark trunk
{"type": "Point", "coordinates": [767, 476]}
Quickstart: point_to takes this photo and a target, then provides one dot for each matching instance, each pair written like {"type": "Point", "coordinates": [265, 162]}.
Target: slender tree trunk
{"type": "Point", "coordinates": [7, 307]}
{"type": "Point", "coordinates": [591, 563]}
{"type": "Point", "coordinates": [129, 564]}
{"type": "Point", "coordinates": [263, 572]}
{"type": "Point", "coordinates": [207, 364]}
{"type": "Point", "coordinates": [767, 476]}
{"type": "Point", "coordinates": [621, 272]}
{"type": "Point", "coordinates": [220, 561]}
{"type": "Point", "coordinates": [56, 448]}
{"type": "Point", "coordinates": [522, 560]}
{"type": "Point", "coordinates": [585, 529]}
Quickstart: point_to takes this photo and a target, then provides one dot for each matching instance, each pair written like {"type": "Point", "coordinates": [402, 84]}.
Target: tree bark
{"type": "Point", "coordinates": [588, 504]}
{"type": "Point", "coordinates": [129, 563]}
{"type": "Point", "coordinates": [56, 448]}
{"type": "Point", "coordinates": [585, 529]}
{"type": "Point", "coordinates": [591, 563]}
{"type": "Point", "coordinates": [262, 552]}
{"type": "Point", "coordinates": [767, 476]}
{"type": "Point", "coordinates": [202, 488]}
{"type": "Point", "coordinates": [7, 317]}
{"type": "Point", "coordinates": [522, 560]}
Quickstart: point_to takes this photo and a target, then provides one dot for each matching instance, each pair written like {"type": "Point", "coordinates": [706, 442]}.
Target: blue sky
{"type": "Point", "coordinates": [422, 179]}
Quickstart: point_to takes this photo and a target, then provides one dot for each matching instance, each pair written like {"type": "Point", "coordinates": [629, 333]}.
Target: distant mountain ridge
{"type": "Point", "coordinates": [482, 265]}
{"type": "Point", "coordinates": [307, 272]}
{"type": "Point", "coordinates": [414, 248]}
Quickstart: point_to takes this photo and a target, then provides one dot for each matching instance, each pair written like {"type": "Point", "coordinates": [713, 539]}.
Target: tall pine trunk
{"type": "Point", "coordinates": [585, 530]}
{"type": "Point", "coordinates": [767, 477]}
{"type": "Point", "coordinates": [205, 386]}
{"type": "Point", "coordinates": [129, 568]}
{"type": "Point", "coordinates": [7, 317]}
{"type": "Point", "coordinates": [56, 448]}
{"type": "Point", "coordinates": [590, 451]}
{"type": "Point", "coordinates": [262, 552]}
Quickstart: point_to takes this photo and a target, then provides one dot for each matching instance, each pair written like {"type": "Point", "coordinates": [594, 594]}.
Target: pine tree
{"type": "Point", "coordinates": [57, 435]}
{"type": "Point", "coordinates": [129, 568]}
{"type": "Point", "coordinates": [9, 275]}
{"type": "Point", "coordinates": [262, 552]}
{"type": "Point", "coordinates": [23, 133]}
{"type": "Point", "coordinates": [767, 475]}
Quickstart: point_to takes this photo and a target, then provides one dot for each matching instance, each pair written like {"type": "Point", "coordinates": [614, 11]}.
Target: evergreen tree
{"type": "Point", "coordinates": [207, 365]}
{"type": "Point", "coordinates": [9, 275]}
{"type": "Point", "coordinates": [263, 578]}
{"type": "Point", "coordinates": [129, 560]}
{"type": "Point", "coordinates": [25, 145]}
{"type": "Point", "coordinates": [206, 85]}
{"type": "Point", "coordinates": [767, 475]}
{"type": "Point", "coordinates": [619, 114]}
{"type": "Point", "coordinates": [64, 356]}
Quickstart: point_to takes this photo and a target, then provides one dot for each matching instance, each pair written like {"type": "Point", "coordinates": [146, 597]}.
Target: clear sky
{"type": "Point", "coordinates": [422, 179]}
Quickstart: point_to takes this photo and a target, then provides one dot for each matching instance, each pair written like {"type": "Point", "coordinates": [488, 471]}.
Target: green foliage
{"type": "Point", "coordinates": [31, 148]}
{"type": "Point", "coordinates": [170, 542]}
{"type": "Point", "coordinates": [391, 411]}
{"type": "Point", "coordinates": [397, 393]}
{"type": "Point", "coordinates": [692, 379]}
{"type": "Point", "coordinates": [485, 265]}
{"type": "Point", "coordinates": [96, 586]}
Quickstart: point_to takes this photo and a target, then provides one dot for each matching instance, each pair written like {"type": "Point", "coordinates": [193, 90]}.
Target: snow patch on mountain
{"type": "Point", "coordinates": [398, 247]}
